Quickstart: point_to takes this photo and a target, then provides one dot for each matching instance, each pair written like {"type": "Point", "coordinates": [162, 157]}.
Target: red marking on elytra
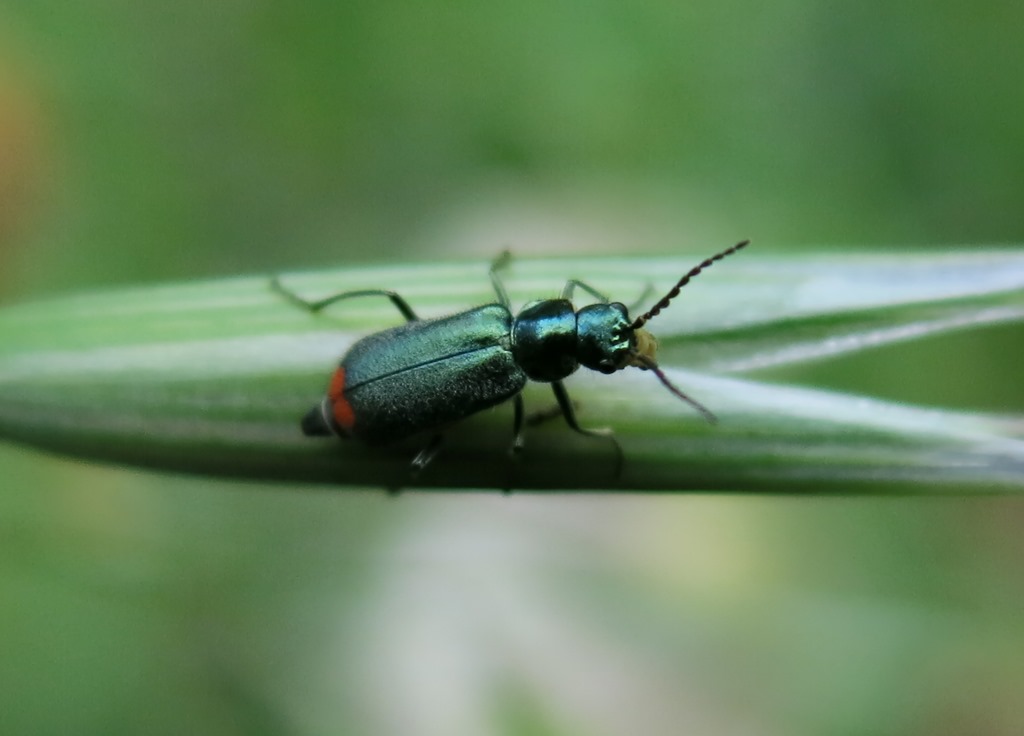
{"type": "Point", "coordinates": [343, 413]}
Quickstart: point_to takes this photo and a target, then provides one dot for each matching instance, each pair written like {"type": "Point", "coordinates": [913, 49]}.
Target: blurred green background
{"type": "Point", "coordinates": [153, 141]}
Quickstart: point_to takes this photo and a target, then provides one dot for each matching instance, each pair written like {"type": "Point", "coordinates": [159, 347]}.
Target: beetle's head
{"type": "Point", "coordinates": [604, 340]}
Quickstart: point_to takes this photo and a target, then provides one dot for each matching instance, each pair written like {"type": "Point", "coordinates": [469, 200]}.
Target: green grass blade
{"type": "Point", "coordinates": [213, 377]}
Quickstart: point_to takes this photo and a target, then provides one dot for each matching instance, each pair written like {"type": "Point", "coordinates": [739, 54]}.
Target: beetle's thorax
{"type": "Point", "coordinates": [544, 340]}
{"type": "Point", "coordinates": [550, 340]}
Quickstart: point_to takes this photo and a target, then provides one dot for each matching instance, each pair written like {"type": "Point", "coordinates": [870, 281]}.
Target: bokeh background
{"type": "Point", "coordinates": [176, 140]}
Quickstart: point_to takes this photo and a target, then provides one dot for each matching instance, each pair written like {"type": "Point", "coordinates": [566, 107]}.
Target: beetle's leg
{"type": "Point", "coordinates": [565, 403]}
{"type": "Point", "coordinates": [536, 418]}
{"type": "Point", "coordinates": [635, 306]}
{"type": "Point", "coordinates": [517, 441]}
{"type": "Point", "coordinates": [315, 306]}
{"type": "Point", "coordinates": [517, 425]}
{"type": "Point", "coordinates": [521, 420]}
{"type": "Point", "coordinates": [572, 284]}
{"type": "Point", "coordinates": [428, 453]}
{"type": "Point", "coordinates": [499, 264]}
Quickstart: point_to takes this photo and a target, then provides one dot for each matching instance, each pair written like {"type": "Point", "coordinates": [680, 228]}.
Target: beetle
{"type": "Point", "coordinates": [426, 374]}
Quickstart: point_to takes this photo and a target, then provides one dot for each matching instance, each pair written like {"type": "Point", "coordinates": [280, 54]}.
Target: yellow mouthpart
{"type": "Point", "coordinates": [646, 347]}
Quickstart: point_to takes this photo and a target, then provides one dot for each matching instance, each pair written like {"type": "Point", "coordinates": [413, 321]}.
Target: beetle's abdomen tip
{"type": "Point", "coordinates": [314, 424]}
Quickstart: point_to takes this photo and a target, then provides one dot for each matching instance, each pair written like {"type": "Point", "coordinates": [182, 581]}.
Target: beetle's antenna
{"type": "Point", "coordinates": [644, 362]}
{"type": "Point", "coordinates": [653, 311]}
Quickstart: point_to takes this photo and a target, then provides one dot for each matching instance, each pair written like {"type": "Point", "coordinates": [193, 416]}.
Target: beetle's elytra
{"type": "Point", "coordinates": [423, 375]}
